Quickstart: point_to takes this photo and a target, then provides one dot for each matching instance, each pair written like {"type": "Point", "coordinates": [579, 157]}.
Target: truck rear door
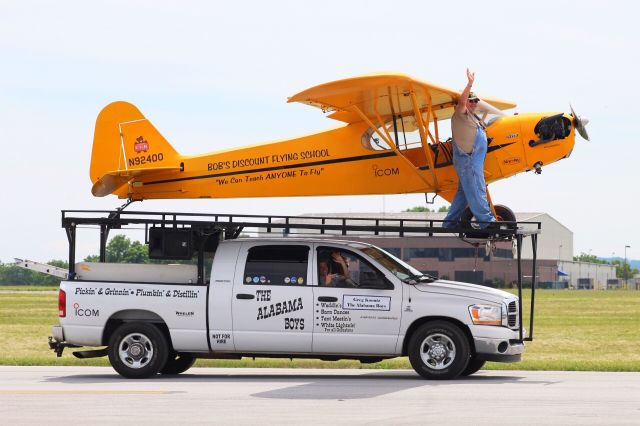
{"type": "Point", "coordinates": [272, 299]}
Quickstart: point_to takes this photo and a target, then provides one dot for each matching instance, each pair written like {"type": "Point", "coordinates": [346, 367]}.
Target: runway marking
{"type": "Point", "coordinates": [81, 392]}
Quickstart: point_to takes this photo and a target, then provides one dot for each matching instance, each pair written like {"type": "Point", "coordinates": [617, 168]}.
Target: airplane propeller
{"type": "Point", "coordinates": [580, 123]}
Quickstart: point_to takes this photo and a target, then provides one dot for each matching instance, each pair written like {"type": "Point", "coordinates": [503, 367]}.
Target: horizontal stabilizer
{"type": "Point", "coordinates": [112, 181]}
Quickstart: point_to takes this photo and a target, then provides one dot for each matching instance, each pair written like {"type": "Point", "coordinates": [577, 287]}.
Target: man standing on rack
{"type": "Point", "coordinates": [469, 152]}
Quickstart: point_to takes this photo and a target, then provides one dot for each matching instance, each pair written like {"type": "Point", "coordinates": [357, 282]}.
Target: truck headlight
{"type": "Point", "coordinates": [486, 314]}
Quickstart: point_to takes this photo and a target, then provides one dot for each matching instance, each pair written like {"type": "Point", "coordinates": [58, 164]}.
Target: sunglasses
{"type": "Point", "coordinates": [474, 101]}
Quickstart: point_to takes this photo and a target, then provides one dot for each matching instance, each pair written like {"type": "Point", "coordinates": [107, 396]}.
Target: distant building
{"type": "Point", "coordinates": [448, 257]}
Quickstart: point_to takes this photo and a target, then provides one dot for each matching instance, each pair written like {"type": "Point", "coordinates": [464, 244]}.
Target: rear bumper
{"type": "Point", "coordinates": [57, 333]}
{"type": "Point", "coordinates": [56, 341]}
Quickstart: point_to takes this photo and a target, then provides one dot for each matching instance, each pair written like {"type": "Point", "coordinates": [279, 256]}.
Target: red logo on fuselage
{"type": "Point", "coordinates": [141, 145]}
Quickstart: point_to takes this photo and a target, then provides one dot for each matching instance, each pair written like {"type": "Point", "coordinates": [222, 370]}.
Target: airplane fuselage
{"type": "Point", "coordinates": [341, 162]}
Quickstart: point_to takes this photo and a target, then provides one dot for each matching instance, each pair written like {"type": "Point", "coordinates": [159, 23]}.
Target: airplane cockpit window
{"type": "Point", "coordinates": [372, 140]}
{"type": "Point", "coordinates": [405, 133]}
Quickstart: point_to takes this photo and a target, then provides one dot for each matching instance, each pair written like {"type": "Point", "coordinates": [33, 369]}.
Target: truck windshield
{"type": "Point", "coordinates": [400, 269]}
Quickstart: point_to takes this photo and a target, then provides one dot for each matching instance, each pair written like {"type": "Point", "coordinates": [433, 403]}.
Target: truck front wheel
{"type": "Point", "coordinates": [439, 350]}
{"type": "Point", "coordinates": [138, 350]}
{"type": "Point", "coordinates": [473, 366]}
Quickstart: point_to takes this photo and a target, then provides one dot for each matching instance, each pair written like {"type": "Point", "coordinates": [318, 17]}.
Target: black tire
{"type": "Point", "coordinates": [439, 350]}
{"type": "Point", "coordinates": [473, 367]}
{"type": "Point", "coordinates": [466, 217]}
{"type": "Point", "coordinates": [177, 363]}
{"type": "Point", "coordinates": [504, 213]}
{"type": "Point", "coordinates": [138, 350]}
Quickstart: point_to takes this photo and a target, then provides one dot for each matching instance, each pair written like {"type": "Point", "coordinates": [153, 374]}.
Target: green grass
{"type": "Point", "coordinates": [6, 288]}
{"type": "Point", "coordinates": [574, 330]}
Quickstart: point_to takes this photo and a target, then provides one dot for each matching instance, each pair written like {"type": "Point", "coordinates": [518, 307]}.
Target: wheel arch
{"type": "Point", "coordinates": [420, 321]}
{"type": "Point", "coordinates": [134, 315]}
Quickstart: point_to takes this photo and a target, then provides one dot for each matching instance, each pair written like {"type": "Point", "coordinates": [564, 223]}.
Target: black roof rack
{"type": "Point", "coordinates": [233, 224]}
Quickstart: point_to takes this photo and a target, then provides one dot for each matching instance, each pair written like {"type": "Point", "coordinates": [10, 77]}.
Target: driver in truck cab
{"type": "Point", "coordinates": [336, 263]}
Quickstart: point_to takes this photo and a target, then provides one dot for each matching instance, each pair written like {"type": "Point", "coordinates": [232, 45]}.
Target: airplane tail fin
{"type": "Point", "coordinates": [127, 148]}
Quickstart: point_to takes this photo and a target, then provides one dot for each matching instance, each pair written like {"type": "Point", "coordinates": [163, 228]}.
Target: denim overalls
{"type": "Point", "coordinates": [472, 188]}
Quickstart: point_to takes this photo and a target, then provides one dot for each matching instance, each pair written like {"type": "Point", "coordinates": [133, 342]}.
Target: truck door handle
{"type": "Point", "coordinates": [244, 296]}
{"type": "Point", "coordinates": [327, 299]}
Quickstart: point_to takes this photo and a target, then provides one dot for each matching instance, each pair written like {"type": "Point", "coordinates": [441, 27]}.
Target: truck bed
{"type": "Point", "coordinates": [135, 272]}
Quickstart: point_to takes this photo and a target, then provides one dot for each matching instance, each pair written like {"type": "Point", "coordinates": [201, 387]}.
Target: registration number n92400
{"type": "Point", "coordinates": [145, 159]}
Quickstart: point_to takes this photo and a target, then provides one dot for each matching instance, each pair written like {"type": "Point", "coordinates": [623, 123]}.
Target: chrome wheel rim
{"type": "Point", "coordinates": [437, 351]}
{"type": "Point", "coordinates": [135, 350]}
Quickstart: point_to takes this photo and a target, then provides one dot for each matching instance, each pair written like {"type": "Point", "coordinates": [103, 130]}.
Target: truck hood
{"type": "Point", "coordinates": [457, 288]}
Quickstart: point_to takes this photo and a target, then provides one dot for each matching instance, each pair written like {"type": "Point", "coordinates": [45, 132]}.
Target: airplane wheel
{"type": "Point", "coordinates": [504, 213]}
{"type": "Point", "coordinates": [465, 219]}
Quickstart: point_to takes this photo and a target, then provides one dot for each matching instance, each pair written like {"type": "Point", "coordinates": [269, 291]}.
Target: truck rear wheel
{"type": "Point", "coordinates": [177, 363]}
{"type": "Point", "coordinates": [138, 350]}
{"type": "Point", "coordinates": [439, 350]}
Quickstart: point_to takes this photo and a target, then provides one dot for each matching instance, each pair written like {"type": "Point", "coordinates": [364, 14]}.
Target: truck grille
{"type": "Point", "coordinates": [512, 314]}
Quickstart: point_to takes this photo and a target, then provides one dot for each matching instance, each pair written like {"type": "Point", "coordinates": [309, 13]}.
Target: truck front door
{"type": "Point", "coordinates": [272, 299]}
{"type": "Point", "coordinates": [357, 309]}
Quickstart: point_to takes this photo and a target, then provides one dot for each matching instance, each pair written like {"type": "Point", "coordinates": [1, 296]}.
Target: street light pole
{"type": "Point", "coordinates": [625, 266]}
{"type": "Point", "coordinates": [558, 263]}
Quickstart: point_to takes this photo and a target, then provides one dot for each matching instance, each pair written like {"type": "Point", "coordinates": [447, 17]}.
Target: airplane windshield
{"type": "Point", "coordinates": [488, 113]}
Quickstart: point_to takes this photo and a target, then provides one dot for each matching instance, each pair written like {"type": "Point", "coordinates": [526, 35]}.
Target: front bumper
{"type": "Point", "coordinates": [498, 350]}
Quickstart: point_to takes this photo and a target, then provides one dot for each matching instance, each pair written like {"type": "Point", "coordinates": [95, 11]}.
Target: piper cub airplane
{"type": "Point", "coordinates": [390, 144]}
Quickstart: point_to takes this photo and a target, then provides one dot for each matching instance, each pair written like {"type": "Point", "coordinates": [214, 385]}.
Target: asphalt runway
{"type": "Point", "coordinates": [96, 395]}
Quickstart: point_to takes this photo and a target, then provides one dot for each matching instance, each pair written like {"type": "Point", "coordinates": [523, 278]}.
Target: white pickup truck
{"type": "Point", "coordinates": [290, 298]}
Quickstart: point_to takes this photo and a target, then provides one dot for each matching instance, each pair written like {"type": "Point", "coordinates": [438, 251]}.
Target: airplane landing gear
{"type": "Point", "coordinates": [503, 214]}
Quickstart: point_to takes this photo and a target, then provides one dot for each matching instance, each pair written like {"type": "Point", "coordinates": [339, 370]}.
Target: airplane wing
{"type": "Point", "coordinates": [383, 94]}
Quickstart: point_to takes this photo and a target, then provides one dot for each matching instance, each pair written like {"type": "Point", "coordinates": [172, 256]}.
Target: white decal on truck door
{"type": "Point", "coordinates": [366, 303]}
{"type": "Point", "coordinates": [334, 319]}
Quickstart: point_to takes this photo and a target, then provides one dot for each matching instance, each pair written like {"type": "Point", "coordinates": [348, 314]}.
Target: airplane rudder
{"type": "Point", "coordinates": [124, 138]}
{"type": "Point", "coordinates": [106, 153]}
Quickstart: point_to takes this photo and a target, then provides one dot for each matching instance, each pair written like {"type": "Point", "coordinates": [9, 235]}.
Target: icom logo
{"type": "Point", "coordinates": [385, 172]}
{"type": "Point", "coordinates": [85, 312]}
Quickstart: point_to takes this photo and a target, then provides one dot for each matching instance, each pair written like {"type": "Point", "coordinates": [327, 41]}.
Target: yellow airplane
{"type": "Point", "coordinates": [389, 144]}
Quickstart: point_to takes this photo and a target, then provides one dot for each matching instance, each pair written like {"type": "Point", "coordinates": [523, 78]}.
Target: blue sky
{"type": "Point", "coordinates": [215, 75]}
